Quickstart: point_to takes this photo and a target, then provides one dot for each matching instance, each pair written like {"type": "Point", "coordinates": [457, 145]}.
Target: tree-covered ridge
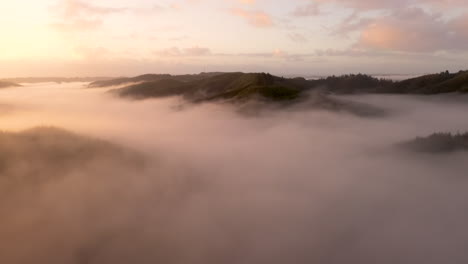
{"type": "Point", "coordinates": [226, 86]}
{"type": "Point", "coordinates": [353, 83]}
{"type": "Point", "coordinates": [242, 86]}
{"type": "Point", "coordinates": [438, 83]}
{"type": "Point", "coordinates": [256, 89]}
{"type": "Point", "coordinates": [439, 143]}
{"type": "Point", "coordinates": [443, 82]}
{"type": "Point", "coordinates": [151, 78]}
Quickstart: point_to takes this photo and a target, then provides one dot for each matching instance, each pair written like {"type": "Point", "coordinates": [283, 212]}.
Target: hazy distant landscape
{"type": "Point", "coordinates": [262, 169]}
{"type": "Point", "coordinates": [234, 132]}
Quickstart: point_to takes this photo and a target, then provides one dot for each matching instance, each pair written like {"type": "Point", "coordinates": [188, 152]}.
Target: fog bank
{"type": "Point", "coordinates": [212, 185]}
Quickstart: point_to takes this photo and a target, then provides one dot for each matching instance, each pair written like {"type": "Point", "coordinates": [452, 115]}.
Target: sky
{"type": "Point", "coordinates": [289, 37]}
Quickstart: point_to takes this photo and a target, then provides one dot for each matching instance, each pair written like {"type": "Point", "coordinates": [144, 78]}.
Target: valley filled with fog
{"type": "Point", "coordinates": [88, 177]}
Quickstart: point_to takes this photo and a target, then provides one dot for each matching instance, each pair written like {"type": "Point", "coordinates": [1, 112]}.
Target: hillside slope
{"type": "Point", "coordinates": [41, 155]}
{"type": "Point", "coordinates": [444, 82]}
{"type": "Point", "coordinates": [228, 86]}
{"type": "Point", "coordinates": [5, 84]}
{"type": "Point", "coordinates": [239, 86]}
{"type": "Point", "coordinates": [353, 83]}
{"type": "Point", "coordinates": [151, 78]}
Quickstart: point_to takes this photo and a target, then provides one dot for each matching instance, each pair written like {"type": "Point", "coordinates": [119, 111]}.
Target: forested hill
{"type": "Point", "coordinates": [444, 82]}
{"type": "Point", "coordinates": [212, 86]}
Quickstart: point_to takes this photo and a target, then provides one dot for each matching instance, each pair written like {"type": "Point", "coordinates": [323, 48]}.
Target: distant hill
{"type": "Point", "coordinates": [239, 86]}
{"type": "Point", "coordinates": [439, 83]}
{"type": "Point", "coordinates": [353, 83]}
{"type": "Point", "coordinates": [225, 86]}
{"type": "Point", "coordinates": [243, 88]}
{"type": "Point", "coordinates": [4, 84]}
{"type": "Point", "coordinates": [151, 78]}
{"type": "Point", "coordinates": [52, 153]}
{"type": "Point", "coordinates": [54, 79]}
{"type": "Point", "coordinates": [444, 82]}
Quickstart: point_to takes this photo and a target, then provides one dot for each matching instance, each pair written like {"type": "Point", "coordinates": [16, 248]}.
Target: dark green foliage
{"type": "Point", "coordinates": [277, 92]}
{"type": "Point", "coordinates": [439, 143]}
{"type": "Point", "coordinates": [354, 83]}
{"type": "Point", "coordinates": [443, 82]}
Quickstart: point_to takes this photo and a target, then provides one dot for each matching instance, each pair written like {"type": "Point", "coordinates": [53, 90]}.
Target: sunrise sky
{"type": "Point", "coordinates": [130, 37]}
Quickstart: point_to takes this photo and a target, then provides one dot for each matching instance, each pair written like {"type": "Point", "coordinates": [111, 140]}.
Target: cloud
{"type": "Point", "coordinates": [179, 38]}
{"type": "Point", "coordinates": [194, 51]}
{"type": "Point", "coordinates": [351, 23]}
{"type": "Point", "coordinates": [297, 37]}
{"type": "Point", "coordinates": [74, 8]}
{"type": "Point", "coordinates": [154, 9]}
{"type": "Point", "coordinates": [255, 18]}
{"type": "Point", "coordinates": [276, 54]}
{"type": "Point", "coordinates": [394, 4]}
{"type": "Point", "coordinates": [311, 9]}
{"type": "Point", "coordinates": [414, 30]}
{"type": "Point", "coordinates": [92, 53]}
{"type": "Point", "coordinates": [197, 51]}
{"type": "Point", "coordinates": [77, 15]}
{"type": "Point", "coordinates": [248, 2]}
{"type": "Point", "coordinates": [302, 186]}
{"type": "Point", "coordinates": [77, 25]}
{"type": "Point", "coordinates": [351, 52]}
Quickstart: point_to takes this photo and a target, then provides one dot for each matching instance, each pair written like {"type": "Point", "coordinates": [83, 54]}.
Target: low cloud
{"type": "Point", "coordinates": [302, 186]}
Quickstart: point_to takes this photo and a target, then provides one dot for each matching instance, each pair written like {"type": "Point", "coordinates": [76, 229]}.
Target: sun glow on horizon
{"type": "Point", "coordinates": [298, 36]}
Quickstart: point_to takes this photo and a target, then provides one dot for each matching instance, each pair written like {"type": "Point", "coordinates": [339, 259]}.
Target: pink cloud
{"type": "Point", "coordinates": [249, 2]}
{"type": "Point", "coordinates": [414, 30]}
{"type": "Point", "coordinates": [74, 8]}
{"type": "Point", "coordinates": [254, 18]}
{"type": "Point", "coordinates": [389, 4]}
{"type": "Point", "coordinates": [77, 15]}
{"type": "Point", "coordinates": [367, 4]}
{"type": "Point", "coordinates": [311, 9]}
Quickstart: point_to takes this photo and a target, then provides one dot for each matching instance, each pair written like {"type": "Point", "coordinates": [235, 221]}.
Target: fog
{"type": "Point", "coordinates": [182, 183]}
